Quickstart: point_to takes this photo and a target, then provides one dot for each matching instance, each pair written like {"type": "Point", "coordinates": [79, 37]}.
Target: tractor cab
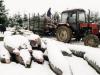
{"type": "Point", "coordinates": [74, 18]}
{"type": "Point", "coordinates": [75, 23]}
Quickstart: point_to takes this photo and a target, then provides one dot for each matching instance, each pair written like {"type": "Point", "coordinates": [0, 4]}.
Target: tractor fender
{"type": "Point", "coordinates": [63, 24]}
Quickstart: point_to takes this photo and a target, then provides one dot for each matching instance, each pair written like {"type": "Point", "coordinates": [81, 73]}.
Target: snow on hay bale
{"type": "Point", "coordinates": [93, 58]}
{"type": "Point", "coordinates": [4, 54]}
{"type": "Point", "coordinates": [56, 60]}
{"type": "Point", "coordinates": [15, 43]}
{"type": "Point", "coordinates": [38, 56]}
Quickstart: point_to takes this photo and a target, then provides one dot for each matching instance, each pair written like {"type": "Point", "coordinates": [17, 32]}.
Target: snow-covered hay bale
{"type": "Point", "coordinates": [57, 61]}
{"type": "Point", "coordinates": [93, 58]}
{"type": "Point", "coordinates": [38, 56]}
{"type": "Point", "coordinates": [4, 55]}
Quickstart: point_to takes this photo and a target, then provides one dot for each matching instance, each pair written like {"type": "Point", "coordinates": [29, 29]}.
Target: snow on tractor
{"type": "Point", "coordinates": [75, 23]}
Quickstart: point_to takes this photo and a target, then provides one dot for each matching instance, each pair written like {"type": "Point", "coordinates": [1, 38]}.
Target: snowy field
{"type": "Point", "coordinates": [78, 65]}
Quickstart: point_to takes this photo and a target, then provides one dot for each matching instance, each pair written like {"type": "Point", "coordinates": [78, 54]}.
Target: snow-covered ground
{"type": "Point", "coordinates": [78, 65]}
{"type": "Point", "coordinates": [17, 69]}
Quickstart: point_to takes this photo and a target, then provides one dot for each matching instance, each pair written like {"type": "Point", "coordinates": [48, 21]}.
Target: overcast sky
{"type": "Point", "coordinates": [41, 6]}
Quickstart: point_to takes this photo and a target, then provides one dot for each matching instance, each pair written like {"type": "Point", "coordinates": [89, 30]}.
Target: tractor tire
{"type": "Point", "coordinates": [64, 34]}
{"type": "Point", "coordinates": [91, 40]}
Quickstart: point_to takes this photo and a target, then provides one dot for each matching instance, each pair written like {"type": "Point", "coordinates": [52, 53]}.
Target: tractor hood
{"type": "Point", "coordinates": [63, 24]}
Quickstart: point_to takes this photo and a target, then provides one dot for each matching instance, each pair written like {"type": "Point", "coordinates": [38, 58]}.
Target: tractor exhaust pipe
{"type": "Point", "coordinates": [89, 16]}
{"type": "Point", "coordinates": [88, 20]}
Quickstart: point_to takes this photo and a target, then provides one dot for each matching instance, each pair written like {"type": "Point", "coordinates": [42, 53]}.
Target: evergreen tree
{"type": "Point", "coordinates": [25, 17]}
{"type": "Point", "coordinates": [3, 14]}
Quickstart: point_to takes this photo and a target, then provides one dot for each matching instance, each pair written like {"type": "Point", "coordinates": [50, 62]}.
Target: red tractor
{"type": "Point", "coordinates": [75, 23]}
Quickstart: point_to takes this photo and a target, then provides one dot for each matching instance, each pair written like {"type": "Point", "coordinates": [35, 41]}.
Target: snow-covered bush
{"type": "Point", "coordinates": [80, 50]}
{"type": "Point", "coordinates": [90, 54]}
{"type": "Point", "coordinates": [77, 50]}
{"type": "Point", "coordinates": [43, 45]}
{"type": "Point", "coordinates": [45, 55]}
{"type": "Point", "coordinates": [24, 58]}
{"type": "Point", "coordinates": [26, 32]}
{"type": "Point", "coordinates": [62, 46]}
{"type": "Point", "coordinates": [16, 42]}
{"type": "Point", "coordinates": [93, 58]}
{"type": "Point", "coordinates": [80, 67]}
{"type": "Point", "coordinates": [38, 56]}
{"type": "Point", "coordinates": [8, 33]}
{"type": "Point", "coordinates": [4, 55]}
{"type": "Point", "coordinates": [56, 60]}
{"type": "Point", "coordinates": [34, 40]}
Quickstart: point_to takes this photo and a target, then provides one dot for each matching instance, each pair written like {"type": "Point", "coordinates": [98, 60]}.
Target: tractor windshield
{"type": "Point", "coordinates": [82, 17]}
{"type": "Point", "coordinates": [64, 17]}
{"type": "Point", "coordinates": [73, 16]}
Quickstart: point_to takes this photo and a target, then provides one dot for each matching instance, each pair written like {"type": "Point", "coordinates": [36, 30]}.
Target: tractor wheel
{"type": "Point", "coordinates": [91, 40]}
{"type": "Point", "coordinates": [63, 34]}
